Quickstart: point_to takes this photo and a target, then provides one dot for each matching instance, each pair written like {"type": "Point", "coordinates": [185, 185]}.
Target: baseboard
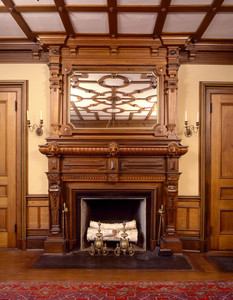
{"type": "Point", "coordinates": [36, 242]}
{"type": "Point", "coordinates": [191, 243]}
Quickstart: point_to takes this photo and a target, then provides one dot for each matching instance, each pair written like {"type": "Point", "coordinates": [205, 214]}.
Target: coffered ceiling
{"type": "Point", "coordinates": [204, 21]}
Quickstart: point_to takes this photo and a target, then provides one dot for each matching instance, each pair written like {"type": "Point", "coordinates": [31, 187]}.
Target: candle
{"type": "Point", "coordinates": [41, 114]}
{"type": "Point", "coordinates": [186, 116]}
{"type": "Point", "coordinates": [28, 118]}
{"type": "Point", "coordinates": [198, 117]}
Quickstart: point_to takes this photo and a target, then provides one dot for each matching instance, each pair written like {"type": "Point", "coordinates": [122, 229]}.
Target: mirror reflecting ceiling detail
{"type": "Point", "coordinates": [113, 100]}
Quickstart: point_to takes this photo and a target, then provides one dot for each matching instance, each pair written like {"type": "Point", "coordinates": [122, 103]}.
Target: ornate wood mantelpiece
{"type": "Point", "coordinates": [109, 166]}
{"type": "Point", "coordinates": [141, 159]}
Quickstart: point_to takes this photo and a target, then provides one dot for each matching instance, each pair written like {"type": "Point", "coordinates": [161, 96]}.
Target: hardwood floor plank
{"type": "Point", "coordinates": [16, 265]}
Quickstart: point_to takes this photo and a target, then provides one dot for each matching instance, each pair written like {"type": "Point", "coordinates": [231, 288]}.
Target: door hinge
{"type": "Point", "coordinates": [16, 105]}
{"type": "Point", "coordinates": [210, 230]}
{"type": "Point", "coordinates": [211, 107]}
{"type": "Point", "coordinates": [15, 228]}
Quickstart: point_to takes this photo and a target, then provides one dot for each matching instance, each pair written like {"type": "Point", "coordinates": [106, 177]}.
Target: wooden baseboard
{"type": "Point", "coordinates": [36, 242]}
{"type": "Point", "coordinates": [191, 243]}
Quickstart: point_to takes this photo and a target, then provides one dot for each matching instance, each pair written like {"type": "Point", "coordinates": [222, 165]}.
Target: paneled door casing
{"type": "Point", "coordinates": [221, 206]}
{"type": "Point", "coordinates": [7, 169]}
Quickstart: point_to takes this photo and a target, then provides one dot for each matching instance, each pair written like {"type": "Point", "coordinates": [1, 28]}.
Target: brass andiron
{"type": "Point", "coordinates": [99, 246]}
{"type": "Point", "coordinates": [124, 246]}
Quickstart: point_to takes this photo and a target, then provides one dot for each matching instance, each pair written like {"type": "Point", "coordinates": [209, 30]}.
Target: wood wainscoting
{"type": "Point", "coordinates": [37, 208]}
{"type": "Point", "coordinates": [188, 221]}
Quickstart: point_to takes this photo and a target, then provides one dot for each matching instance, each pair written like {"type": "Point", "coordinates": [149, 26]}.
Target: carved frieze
{"type": "Point", "coordinates": [172, 149]}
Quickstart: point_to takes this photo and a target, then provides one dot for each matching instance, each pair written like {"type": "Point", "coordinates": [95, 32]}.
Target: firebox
{"type": "Point", "coordinates": [114, 207]}
{"type": "Point", "coordinates": [113, 211]}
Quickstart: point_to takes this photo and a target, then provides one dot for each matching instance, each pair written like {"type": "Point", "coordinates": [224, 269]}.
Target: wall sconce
{"type": "Point", "coordinates": [38, 128]}
{"type": "Point", "coordinates": [190, 129]}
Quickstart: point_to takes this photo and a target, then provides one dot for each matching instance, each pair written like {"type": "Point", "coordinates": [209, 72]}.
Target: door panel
{"type": "Point", "coordinates": [7, 169]}
{"type": "Point", "coordinates": [221, 218]}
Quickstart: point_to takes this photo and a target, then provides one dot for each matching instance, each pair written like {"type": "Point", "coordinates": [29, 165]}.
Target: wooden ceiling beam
{"type": "Point", "coordinates": [215, 7]}
{"type": "Point", "coordinates": [64, 15]}
{"type": "Point", "coordinates": [19, 20]}
{"type": "Point", "coordinates": [164, 7]}
{"type": "Point", "coordinates": [38, 8]}
{"type": "Point", "coordinates": [112, 18]}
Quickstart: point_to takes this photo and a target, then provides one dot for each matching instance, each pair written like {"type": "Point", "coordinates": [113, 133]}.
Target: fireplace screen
{"type": "Point", "coordinates": [113, 100]}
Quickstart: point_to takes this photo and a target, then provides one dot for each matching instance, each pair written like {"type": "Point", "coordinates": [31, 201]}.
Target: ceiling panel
{"type": "Point", "coordinates": [43, 21]}
{"type": "Point", "coordinates": [86, 2]}
{"type": "Point", "coordinates": [89, 22]}
{"type": "Point", "coordinates": [182, 22]}
{"type": "Point", "coordinates": [191, 2]}
{"type": "Point", "coordinates": [8, 26]}
{"type": "Point", "coordinates": [228, 2]}
{"type": "Point", "coordinates": [138, 2]}
{"type": "Point", "coordinates": [136, 23]}
{"type": "Point", "coordinates": [34, 2]}
{"type": "Point", "coordinates": [220, 27]}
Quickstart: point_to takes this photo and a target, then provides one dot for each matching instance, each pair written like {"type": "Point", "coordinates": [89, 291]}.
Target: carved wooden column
{"type": "Point", "coordinates": [171, 239]}
{"type": "Point", "coordinates": [55, 90]}
{"type": "Point", "coordinates": [171, 90]}
{"type": "Point", "coordinates": [55, 240]}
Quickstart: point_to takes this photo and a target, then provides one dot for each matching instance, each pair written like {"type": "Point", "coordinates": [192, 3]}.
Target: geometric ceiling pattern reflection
{"type": "Point", "coordinates": [113, 100]}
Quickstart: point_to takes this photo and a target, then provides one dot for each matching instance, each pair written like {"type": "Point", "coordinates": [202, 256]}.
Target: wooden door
{"type": "Point", "coordinates": [221, 204]}
{"type": "Point", "coordinates": [7, 168]}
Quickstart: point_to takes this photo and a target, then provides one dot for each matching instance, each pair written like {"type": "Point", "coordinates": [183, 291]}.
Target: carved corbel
{"type": "Point", "coordinates": [53, 148]}
{"type": "Point", "coordinates": [173, 149]}
{"type": "Point", "coordinates": [113, 149]}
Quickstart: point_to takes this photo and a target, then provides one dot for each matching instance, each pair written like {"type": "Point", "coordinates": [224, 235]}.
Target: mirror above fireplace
{"type": "Point", "coordinates": [115, 100]}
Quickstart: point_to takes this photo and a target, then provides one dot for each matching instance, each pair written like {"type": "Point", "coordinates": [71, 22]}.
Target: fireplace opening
{"type": "Point", "coordinates": [115, 207]}
{"type": "Point", "coordinates": [114, 211]}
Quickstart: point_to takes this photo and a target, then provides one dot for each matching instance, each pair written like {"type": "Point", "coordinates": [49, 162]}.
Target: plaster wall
{"type": "Point", "coordinates": [190, 77]}
{"type": "Point", "coordinates": [37, 76]}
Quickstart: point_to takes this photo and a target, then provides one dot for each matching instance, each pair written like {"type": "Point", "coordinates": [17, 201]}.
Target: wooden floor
{"type": "Point", "coordinates": [16, 265]}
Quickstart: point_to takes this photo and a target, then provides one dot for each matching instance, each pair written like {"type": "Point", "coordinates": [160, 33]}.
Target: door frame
{"type": "Point", "coordinates": [21, 88]}
{"type": "Point", "coordinates": [206, 89]}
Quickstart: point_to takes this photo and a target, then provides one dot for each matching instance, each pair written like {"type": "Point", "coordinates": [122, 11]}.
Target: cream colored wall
{"type": "Point", "coordinates": [190, 77]}
{"type": "Point", "coordinates": [38, 98]}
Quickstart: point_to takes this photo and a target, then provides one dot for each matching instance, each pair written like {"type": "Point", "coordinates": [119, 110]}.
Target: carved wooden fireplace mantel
{"type": "Point", "coordinates": [112, 140]}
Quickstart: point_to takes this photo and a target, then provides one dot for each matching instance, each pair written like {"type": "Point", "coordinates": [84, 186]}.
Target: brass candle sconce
{"type": "Point", "coordinates": [190, 129]}
{"type": "Point", "coordinates": [38, 128]}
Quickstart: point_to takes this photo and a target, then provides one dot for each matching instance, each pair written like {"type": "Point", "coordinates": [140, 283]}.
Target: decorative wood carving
{"type": "Point", "coordinates": [145, 157]}
{"type": "Point", "coordinates": [172, 149]}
